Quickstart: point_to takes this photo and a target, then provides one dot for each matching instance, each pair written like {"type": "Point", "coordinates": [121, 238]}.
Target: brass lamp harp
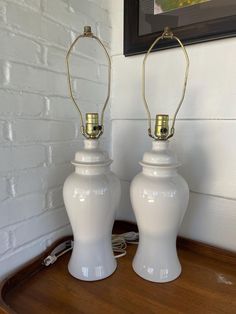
{"type": "Point", "coordinates": [162, 120]}
{"type": "Point", "coordinates": [93, 129]}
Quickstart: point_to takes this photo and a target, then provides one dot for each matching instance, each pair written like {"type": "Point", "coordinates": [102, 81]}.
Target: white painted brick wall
{"type": "Point", "coordinates": [38, 226]}
{"type": "Point", "coordinates": [14, 103]}
{"type": "Point", "coordinates": [21, 208]}
{"type": "Point", "coordinates": [21, 157]}
{"type": "Point", "coordinates": [3, 188]}
{"type": "Point", "coordinates": [4, 242]}
{"type": "Point", "coordinates": [39, 125]}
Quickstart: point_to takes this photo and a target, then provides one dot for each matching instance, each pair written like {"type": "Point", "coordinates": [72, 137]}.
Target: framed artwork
{"type": "Point", "coordinates": [193, 21]}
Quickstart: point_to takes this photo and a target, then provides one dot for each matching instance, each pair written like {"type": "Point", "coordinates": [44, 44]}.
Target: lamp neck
{"type": "Point", "coordinates": [160, 145]}
{"type": "Point", "coordinates": [160, 161]}
{"type": "Point", "coordinates": [158, 171]}
{"type": "Point", "coordinates": [92, 171]}
{"type": "Point", "coordinates": [91, 144]}
{"type": "Point", "coordinates": [91, 156]}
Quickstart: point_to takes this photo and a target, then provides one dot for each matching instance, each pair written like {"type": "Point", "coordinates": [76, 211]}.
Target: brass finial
{"type": "Point", "coordinates": [87, 31]}
{"type": "Point", "coordinates": [167, 33]}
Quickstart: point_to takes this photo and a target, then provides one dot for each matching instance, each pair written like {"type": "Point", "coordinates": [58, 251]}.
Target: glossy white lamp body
{"type": "Point", "coordinates": [159, 196]}
{"type": "Point", "coordinates": [91, 195]}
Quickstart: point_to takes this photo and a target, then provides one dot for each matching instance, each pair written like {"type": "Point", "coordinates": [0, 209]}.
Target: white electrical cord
{"type": "Point", "coordinates": [120, 241]}
{"type": "Point", "coordinates": [119, 245]}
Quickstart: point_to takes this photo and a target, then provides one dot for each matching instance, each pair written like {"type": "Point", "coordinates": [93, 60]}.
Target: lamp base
{"type": "Point", "coordinates": [91, 195]}
{"type": "Point", "coordinates": [159, 196]}
{"type": "Point", "coordinates": [92, 261]}
{"type": "Point", "coordinates": [157, 260]}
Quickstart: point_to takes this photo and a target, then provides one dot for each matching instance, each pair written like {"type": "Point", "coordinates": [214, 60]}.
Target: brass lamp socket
{"type": "Point", "coordinates": [162, 126]}
{"type": "Point", "coordinates": [92, 125]}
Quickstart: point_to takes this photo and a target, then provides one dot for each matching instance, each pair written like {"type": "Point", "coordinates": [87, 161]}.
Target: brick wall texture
{"type": "Point", "coordinates": [39, 126]}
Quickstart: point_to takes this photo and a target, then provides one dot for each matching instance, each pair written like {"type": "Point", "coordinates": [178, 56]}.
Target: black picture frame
{"type": "Point", "coordinates": [194, 33]}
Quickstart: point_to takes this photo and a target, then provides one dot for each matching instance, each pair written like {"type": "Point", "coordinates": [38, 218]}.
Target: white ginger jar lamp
{"type": "Point", "coordinates": [159, 195]}
{"type": "Point", "coordinates": [91, 195]}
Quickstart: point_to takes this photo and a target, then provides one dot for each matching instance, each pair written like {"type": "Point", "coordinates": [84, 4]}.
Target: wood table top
{"type": "Point", "coordinates": [206, 285]}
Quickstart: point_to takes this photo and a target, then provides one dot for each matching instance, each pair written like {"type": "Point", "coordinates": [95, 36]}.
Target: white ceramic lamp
{"type": "Point", "coordinates": [91, 195]}
{"type": "Point", "coordinates": [159, 196]}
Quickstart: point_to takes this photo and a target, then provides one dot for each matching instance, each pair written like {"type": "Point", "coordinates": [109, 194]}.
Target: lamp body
{"type": "Point", "coordinates": [159, 196]}
{"type": "Point", "coordinates": [91, 195]}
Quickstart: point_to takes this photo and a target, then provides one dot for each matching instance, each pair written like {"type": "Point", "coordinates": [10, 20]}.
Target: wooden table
{"type": "Point", "coordinates": [207, 285]}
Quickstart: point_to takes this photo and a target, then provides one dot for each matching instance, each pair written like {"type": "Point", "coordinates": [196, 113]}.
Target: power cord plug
{"type": "Point", "coordinates": [119, 245]}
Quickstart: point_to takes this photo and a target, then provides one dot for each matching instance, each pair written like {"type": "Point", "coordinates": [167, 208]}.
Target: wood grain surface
{"type": "Point", "coordinates": [207, 285]}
